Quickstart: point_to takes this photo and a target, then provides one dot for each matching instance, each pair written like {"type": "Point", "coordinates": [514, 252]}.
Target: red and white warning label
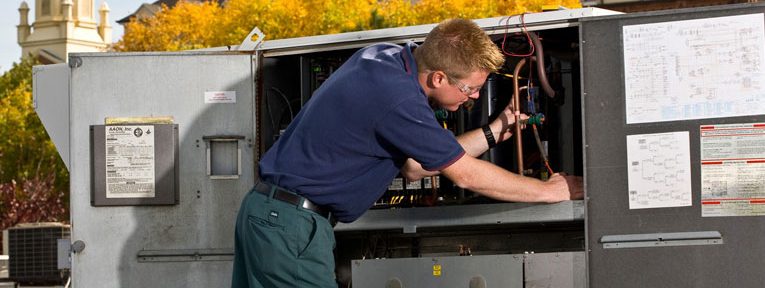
{"type": "Point", "coordinates": [732, 170]}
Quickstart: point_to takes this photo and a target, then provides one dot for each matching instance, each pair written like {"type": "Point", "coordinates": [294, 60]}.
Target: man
{"type": "Point", "coordinates": [368, 122]}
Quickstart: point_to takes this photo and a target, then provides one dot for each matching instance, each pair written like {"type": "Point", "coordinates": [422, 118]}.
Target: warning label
{"type": "Point", "coordinates": [733, 170]}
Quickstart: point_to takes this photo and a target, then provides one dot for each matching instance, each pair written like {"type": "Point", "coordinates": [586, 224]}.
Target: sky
{"type": "Point", "coordinates": [10, 51]}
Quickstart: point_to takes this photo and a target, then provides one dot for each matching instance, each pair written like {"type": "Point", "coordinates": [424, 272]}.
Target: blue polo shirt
{"type": "Point", "coordinates": [352, 137]}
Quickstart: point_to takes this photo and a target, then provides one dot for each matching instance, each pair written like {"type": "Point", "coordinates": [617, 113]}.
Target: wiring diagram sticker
{"type": "Point", "coordinates": [732, 170]}
{"type": "Point", "coordinates": [659, 170]}
{"type": "Point", "coordinates": [694, 69]}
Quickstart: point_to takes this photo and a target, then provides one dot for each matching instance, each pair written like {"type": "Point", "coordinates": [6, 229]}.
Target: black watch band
{"type": "Point", "coordinates": [489, 136]}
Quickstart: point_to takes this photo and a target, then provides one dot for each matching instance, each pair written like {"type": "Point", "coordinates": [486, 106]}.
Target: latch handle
{"type": "Point", "coordinates": [248, 44]}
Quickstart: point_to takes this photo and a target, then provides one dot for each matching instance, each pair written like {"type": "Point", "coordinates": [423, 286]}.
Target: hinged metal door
{"type": "Point", "coordinates": [641, 234]}
{"type": "Point", "coordinates": [208, 95]}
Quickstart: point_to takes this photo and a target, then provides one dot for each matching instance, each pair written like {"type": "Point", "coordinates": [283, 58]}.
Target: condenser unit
{"type": "Point", "coordinates": [33, 253]}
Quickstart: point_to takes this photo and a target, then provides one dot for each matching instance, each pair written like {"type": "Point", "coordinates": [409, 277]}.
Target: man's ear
{"type": "Point", "coordinates": [437, 79]}
{"type": "Point", "coordinates": [430, 80]}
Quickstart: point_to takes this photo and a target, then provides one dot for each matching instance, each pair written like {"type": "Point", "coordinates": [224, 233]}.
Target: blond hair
{"type": "Point", "coordinates": [458, 47]}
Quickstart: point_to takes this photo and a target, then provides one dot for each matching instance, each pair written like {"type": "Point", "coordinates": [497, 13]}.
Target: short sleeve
{"type": "Point", "coordinates": [412, 128]}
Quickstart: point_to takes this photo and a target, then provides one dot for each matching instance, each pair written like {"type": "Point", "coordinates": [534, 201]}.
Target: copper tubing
{"type": "Point", "coordinates": [517, 115]}
{"type": "Point", "coordinates": [540, 58]}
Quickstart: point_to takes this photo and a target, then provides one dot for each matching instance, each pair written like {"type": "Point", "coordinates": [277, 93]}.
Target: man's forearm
{"type": "Point", "coordinates": [474, 141]}
{"type": "Point", "coordinates": [494, 182]}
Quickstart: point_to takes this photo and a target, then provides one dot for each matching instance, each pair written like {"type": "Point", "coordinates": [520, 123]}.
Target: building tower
{"type": "Point", "coordinates": [61, 27]}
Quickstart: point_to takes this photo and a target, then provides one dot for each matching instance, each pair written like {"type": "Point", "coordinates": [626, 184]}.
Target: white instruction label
{"type": "Point", "coordinates": [733, 170]}
{"type": "Point", "coordinates": [220, 97]}
{"type": "Point", "coordinates": [659, 170]}
{"type": "Point", "coordinates": [130, 162]}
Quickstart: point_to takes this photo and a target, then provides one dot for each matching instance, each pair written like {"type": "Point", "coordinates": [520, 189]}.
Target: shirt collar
{"type": "Point", "coordinates": [409, 64]}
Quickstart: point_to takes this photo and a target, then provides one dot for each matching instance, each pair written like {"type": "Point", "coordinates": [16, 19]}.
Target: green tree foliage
{"type": "Point", "coordinates": [200, 25]}
{"type": "Point", "coordinates": [28, 158]}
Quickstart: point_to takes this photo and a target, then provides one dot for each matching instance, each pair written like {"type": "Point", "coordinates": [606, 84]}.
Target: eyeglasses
{"type": "Point", "coordinates": [464, 88]}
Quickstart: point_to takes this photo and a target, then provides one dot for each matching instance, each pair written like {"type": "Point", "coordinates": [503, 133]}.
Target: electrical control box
{"type": "Point", "coordinates": [640, 105]}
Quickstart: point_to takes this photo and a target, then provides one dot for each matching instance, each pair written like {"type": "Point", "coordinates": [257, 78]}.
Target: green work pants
{"type": "Point", "coordinates": [278, 244]}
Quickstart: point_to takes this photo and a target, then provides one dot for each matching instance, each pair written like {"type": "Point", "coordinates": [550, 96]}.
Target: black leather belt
{"type": "Point", "coordinates": [287, 196]}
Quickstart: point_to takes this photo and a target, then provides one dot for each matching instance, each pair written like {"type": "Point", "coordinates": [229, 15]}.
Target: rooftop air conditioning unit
{"type": "Point", "coordinates": [33, 253]}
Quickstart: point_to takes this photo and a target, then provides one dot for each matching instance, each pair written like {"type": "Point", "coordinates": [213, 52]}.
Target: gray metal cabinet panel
{"type": "Point", "coordinates": [736, 263]}
{"type": "Point", "coordinates": [185, 245]}
{"type": "Point", "coordinates": [458, 271]}
{"type": "Point", "coordinates": [560, 270]}
{"type": "Point", "coordinates": [50, 88]}
{"type": "Point", "coordinates": [411, 219]}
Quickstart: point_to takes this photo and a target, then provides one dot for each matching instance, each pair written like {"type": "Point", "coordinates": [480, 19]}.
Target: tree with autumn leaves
{"type": "Point", "coordinates": [190, 25]}
{"type": "Point", "coordinates": [33, 180]}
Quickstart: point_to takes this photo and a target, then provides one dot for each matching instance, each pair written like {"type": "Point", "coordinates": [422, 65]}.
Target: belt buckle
{"type": "Point", "coordinates": [308, 205]}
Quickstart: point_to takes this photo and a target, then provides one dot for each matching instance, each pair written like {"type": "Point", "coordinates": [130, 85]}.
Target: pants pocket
{"type": "Point", "coordinates": [310, 234]}
{"type": "Point", "coordinates": [320, 239]}
{"type": "Point", "coordinates": [271, 253]}
{"type": "Point", "coordinates": [316, 260]}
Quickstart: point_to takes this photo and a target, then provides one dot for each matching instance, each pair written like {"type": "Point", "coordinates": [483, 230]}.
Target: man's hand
{"type": "Point", "coordinates": [564, 187]}
{"type": "Point", "coordinates": [503, 125]}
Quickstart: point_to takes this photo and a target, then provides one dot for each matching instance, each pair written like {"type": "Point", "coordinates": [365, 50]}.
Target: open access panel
{"type": "Point", "coordinates": [428, 224]}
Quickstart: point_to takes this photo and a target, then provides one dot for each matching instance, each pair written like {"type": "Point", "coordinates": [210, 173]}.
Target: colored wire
{"type": "Point", "coordinates": [541, 149]}
{"type": "Point", "coordinates": [531, 94]}
{"type": "Point", "coordinates": [525, 31]}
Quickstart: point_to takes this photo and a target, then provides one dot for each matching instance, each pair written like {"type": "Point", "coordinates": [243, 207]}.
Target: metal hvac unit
{"type": "Point", "coordinates": [33, 253]}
